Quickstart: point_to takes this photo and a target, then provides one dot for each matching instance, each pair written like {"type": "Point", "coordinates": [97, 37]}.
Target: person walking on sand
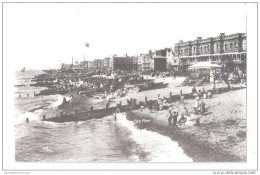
{"type": "Point", "coordinates": [170, 117]}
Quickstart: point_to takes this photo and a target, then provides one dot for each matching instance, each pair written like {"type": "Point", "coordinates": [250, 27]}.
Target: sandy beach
{"type": "Point", "coordinates": [221, 135]}
{"type": "Point", "coordinates": [83, 103]}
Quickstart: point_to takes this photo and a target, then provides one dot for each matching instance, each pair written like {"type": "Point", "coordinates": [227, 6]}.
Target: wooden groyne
{"type": "Point", "coordinates": [93, 113]}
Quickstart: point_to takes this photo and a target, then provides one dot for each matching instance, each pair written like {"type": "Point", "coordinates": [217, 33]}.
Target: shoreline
{"type": "Point", "coordinates": [197, 150]}
{"type": "Point", "coordinates": [200, 150]}
{"type": "Point", "coordinates": [197, 142]}
{"type": "Point", "coordinates": [220, 138]}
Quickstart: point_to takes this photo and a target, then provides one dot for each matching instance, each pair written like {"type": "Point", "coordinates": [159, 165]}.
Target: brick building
{"type": "Point", "coordinates": [226, 50]}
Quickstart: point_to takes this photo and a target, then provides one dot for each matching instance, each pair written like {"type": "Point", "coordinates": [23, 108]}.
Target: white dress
{"type": "Point", "coordinates": [191, 120]}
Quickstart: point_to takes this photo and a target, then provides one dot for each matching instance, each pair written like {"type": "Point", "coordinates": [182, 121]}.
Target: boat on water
{"type": "Point", "coordinates": [23, 69]}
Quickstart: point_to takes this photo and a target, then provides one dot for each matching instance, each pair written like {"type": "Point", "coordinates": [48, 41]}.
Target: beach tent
{"type": "Point", "coordinates": [203, 69]}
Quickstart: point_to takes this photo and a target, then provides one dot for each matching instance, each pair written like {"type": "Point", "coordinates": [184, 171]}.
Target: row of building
{"type": "Point", "coordinates": [226, 50]}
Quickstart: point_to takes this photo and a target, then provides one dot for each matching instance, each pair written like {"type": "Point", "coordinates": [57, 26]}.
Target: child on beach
{"type": "Point", "coordinates": [182, 119]}
{"type": "Point", "coordinates": [209, 94]}
{"type": "Point", "coordinates": [182, 98]}
{"type": "Point", "coordinates": [205, 95]}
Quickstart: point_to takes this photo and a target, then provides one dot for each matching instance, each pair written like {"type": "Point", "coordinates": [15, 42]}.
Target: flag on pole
{"type": "Point", "coordinates": [87, 44]}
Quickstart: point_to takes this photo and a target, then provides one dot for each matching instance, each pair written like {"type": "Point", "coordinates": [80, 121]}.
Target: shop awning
{"type": "Point", "coordinates": [204, 65]}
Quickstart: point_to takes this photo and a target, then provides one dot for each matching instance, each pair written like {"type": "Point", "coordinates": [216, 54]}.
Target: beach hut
{"type": "Point", "coordinates": [203, 69]}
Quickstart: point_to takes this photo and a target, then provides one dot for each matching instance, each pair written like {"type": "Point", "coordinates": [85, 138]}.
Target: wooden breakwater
{"type": "Point", "coordinates": [93, 113]}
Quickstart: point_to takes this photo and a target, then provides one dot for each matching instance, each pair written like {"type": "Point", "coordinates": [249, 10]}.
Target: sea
{"type": "Point", "coordinates": [96, 140]}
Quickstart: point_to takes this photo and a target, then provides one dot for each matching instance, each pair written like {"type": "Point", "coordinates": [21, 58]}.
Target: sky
{"type": "Point", "coordinates": [44, 35]}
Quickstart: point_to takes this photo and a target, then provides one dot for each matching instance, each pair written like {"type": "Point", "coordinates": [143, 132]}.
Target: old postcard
{"type": "Point", "coordinates": [105, 85]}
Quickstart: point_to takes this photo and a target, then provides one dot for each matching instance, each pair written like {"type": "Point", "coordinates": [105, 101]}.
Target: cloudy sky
{"type": "Point", "coordinates": [42, 36]}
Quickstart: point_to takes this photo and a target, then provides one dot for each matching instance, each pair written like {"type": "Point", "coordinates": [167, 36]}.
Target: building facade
{"type": "Point", "coordinates": [98, 63]}
{"type": "Point", "coordinates": [159, 63]}
{"type": "Point", "coordinates": [226, 50]}
{"type": "Point", "coordinates": [145, 62]}
{"type": "Point", "coordinates": [84, 64]}
{"type": "Point", "coordinates": [90, 65]}
{"type": "Point", "coordinates": [124, 63]}
{"type": "Point", "coordinates": [107, 62]}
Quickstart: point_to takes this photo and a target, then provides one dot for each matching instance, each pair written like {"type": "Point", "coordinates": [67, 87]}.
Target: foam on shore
{"type": "Point", "coordinates": [160, 148]}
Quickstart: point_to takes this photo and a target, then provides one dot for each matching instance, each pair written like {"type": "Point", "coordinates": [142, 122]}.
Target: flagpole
{"type": "Point", "coordinates": [84, 60]}
{"type": "Point", "coordinates": [86, 45]}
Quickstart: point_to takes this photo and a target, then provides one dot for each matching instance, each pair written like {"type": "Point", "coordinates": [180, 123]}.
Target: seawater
{"type": "Point", "coordinates": [98, 140]}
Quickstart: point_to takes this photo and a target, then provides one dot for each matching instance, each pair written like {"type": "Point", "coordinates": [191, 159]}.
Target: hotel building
{"type": "Point", "coordinates": [226, 50]}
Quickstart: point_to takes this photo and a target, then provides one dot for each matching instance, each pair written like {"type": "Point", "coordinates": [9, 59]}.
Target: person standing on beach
{"type": "Point", "coordinates": [170, 117]}
{"type": "Point", "coordinates": [196, 105]}
{"type": "Point", "coordinates": [193, 90]}
{"type": "Point", "coordinates": [202, 107]}
{"type": "Point", "coordinates": [175, 116]}
{"type": "Point", "coordinates": [174, 75]}
{"type": "Point", "coordinates": [150, 106]}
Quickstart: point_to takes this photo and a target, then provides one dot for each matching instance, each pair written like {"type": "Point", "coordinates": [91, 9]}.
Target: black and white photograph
{"type": "Point", "coordinates": [125, 84]}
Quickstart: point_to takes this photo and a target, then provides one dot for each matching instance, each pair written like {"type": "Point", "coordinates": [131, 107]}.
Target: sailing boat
{"type": "Point", "coordinates": [23, 69]}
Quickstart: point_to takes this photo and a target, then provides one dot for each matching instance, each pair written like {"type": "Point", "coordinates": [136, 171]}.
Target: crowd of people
{"type": "Point", "coordinates": [190, 118]}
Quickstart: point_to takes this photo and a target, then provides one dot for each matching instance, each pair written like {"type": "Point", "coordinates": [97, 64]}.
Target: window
{"type": "Point", "coordinates": [235, 44]}
{"type": "Point", "coordinates": [194, 49]}
{"type": "Point", "coordinates": [231, 45]}
{"type": "Point", "coordinates": [205, 48]}
{"type": "Point", "coordinates": [225, 46]}
{"type": "Point", "coordinates": [217, 46]}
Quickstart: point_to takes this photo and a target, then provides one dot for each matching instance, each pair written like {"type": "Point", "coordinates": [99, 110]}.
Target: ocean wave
{"type": "Point", "coordinates": [21, 118]}
{"type": "Point", "coordinates": [59, 100]}
{"type": "Point", "coordinates": [55, 125]}
{"type": "Point", "coordinates": [160, 148]}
